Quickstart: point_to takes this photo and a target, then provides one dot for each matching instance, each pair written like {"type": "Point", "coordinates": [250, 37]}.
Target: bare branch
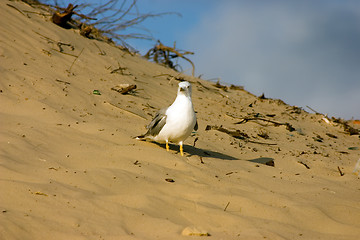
{"type": "Point", "coordinates": [163, 54]}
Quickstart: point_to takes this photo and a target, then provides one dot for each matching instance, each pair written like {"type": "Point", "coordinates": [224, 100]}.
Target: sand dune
{"type": "Point", "coordinates": [70, 168]}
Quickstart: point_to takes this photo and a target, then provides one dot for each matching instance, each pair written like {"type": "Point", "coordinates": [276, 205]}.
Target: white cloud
{"type": "Point", "coordinates": [304, 52]}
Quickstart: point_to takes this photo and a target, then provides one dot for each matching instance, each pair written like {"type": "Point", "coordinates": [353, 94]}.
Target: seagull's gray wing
{"type": "Point", "coordinates": [157, 123]}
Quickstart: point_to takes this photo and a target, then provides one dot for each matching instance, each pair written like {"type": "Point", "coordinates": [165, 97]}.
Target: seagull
{"type": "Point", "coordinates": [175, 123]}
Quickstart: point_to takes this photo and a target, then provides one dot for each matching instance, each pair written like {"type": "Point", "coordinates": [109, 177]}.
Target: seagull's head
{"type": "Point", "coordinates": [185, 88]}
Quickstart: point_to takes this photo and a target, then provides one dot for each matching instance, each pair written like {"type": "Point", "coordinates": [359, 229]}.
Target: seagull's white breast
{"type": "Point", "coordinates": [180, 121]}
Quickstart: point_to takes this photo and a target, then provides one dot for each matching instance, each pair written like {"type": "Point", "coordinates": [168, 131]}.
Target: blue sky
{"type": "Point", "coordinates": [304, 52]}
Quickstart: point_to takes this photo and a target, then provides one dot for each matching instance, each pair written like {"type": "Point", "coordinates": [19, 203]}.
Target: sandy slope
{"type": "Point", "coordinates": [70, 168]}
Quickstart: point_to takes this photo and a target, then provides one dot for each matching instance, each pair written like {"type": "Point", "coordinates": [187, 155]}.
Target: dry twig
{"type": "Point", "coordinates": [236, 134]}
{"type": "Point", "coordinates": [120, 69]}
{"type": "Point", "coordinates": [276, 124]}
{"type": "Point", "coordinates": [16, 9]}
{"type": "Point", "coordinates": [341, 173]}
{"type": "Point", "coordinates": [226, 206]}
{"type": "Point", "coordinates": [59, 44]}
{"type": "Point", "coordinates": [304, 164]}
{"type": "Point", "coordinates": [75, 60]}
{"type": "Point", "coordinates": [223, 87]}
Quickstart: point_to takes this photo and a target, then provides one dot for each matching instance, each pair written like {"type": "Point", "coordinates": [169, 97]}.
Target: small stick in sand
{"type": "Point", "coordinates": [270, 144]}
{"type": "Point", "coordinates": [75, 60]}
{"type": "Point", "coordinates": [203, 85]}
{"type": "Point", "coordinates": [64, 52]}
{"type": "Point", "coordinates": [58, 80]}
{"type": "Point", "coordinates": [126, 110]}
{"type": "Point", "coordinates": [226, 206]}
{"type": "Point", "coordinates": [341, 173]}
{"type": "Point", "coordinates": [17, 9]}
{"type": "Point", "coordinates": [314, 110]}
{"type": "Point", "coordinates": [246, 119]}
{"type": "Point", "coordinates": [119, 69]}
{"type": "Point", "coordinates": [101, 52]}
{"type": "Point", "coordinates": [163, 74]}
{"type": "Point", "coordinates": [59, 44]}
{"type": "Point", "coordinates": [304, 164]}
{"type": "Point", "coordinates": [331, 135]}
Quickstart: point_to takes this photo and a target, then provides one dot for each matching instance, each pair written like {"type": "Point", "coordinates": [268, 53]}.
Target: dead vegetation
{"type": "Point", "coordinates": [63, 19]}
{"type": "Point", "coordinates": [347, 128]}
{"type": "Point", "coordinates": [113, 21]}
{"type": "Point", "coordinates": [338, 121]}
{"type": "Point", "coordinates": [164, 55]}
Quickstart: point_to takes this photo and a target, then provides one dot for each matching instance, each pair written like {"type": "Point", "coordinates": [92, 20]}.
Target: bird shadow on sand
{"type": "Point", "coordinates": [193, 151]}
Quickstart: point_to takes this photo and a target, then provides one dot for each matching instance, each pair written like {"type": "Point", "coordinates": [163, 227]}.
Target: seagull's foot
{"type": "Point", "coordinates": [167, 146]}
{"type": "Point", "coordinates": [181, 149]}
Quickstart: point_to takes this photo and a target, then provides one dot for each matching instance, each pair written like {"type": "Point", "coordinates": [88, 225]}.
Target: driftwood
{"type": "Point", "coordinates": [124, 89]}
{"type": "Point", "coordinates": [163, 54]}
{"type": "Point", "coordinates": [276, 124]}
{"type": "Point", "coordinates": [235, 134]}
{"type": "Point", "coordinates": [63, 18]}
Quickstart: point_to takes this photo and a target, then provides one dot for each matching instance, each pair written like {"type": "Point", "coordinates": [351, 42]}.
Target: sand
{"type": "Point", "coordinates": [70, 167]}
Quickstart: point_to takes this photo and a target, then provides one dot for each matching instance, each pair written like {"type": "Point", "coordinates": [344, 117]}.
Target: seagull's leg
{"type": "Point", "coordinates": [181, 148]}
{"type": "Point", "coordinates": [167, 145]}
